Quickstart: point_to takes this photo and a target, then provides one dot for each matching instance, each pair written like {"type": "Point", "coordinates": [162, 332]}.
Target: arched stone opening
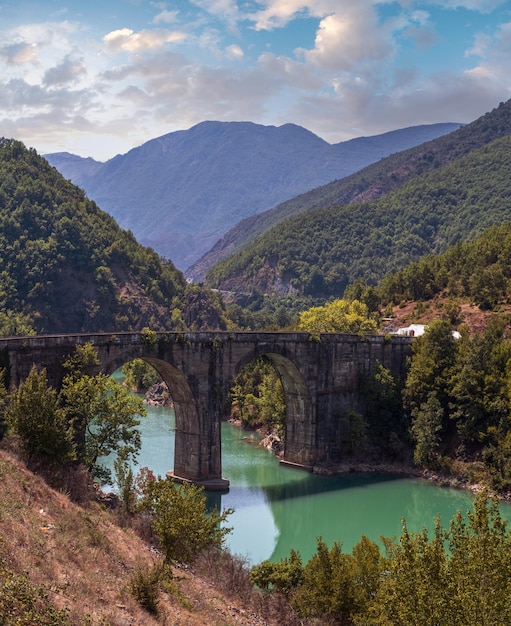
{"type": "Point", "coordinates": [300, 430]}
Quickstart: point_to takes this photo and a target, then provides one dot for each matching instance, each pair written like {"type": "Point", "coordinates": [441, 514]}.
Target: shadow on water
{"type": "Point", "coordinates": [315, 485]}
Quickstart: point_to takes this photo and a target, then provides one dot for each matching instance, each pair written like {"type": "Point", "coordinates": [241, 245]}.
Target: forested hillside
{"type": "Point", "coordinates": [460, 186]}
{"type": "Point", "coordinates": [479, 271]}
{"type": "Point", "coordinates": [66, 266]}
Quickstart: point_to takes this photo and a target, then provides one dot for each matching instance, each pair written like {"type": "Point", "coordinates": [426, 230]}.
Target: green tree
{"type": "Point", "coordinates": [103, 414]}
{"type": "Point", "coordinates": [15, 324]}
{"type": "Point", "coordinates": [340, 316]}
{"type": "Point", "coordinates": [459, 577]}
{"type": "Point", "coordinates": [426, 427]}
{"type": "Point", "coordinates": [257, 396]}
{"type": "Point", "coordinates": [427, 393]}
{"type": "Point", "coordinates": [480, 562]}
{"type": "Point", "coordinates": [139, 375]}
{"type": "Point", "coordinates": [362, 292]}
{"type": "Point", "coordinates": [35, 415]}
{"type": "Point", "coordinates": [480, 385]}
{"type": "Point", "coordinates": [413, 591]}
{"type": "Point", "coordinates": [181, 521]}
{"type": "Point", "coordinates": [284, 576]}
{"type": "Point", "coordinates": [272, 401]}
{"type": "Point", "coordinates": [388, 425]}
{"type": "Point", "coordinates": [339, 585]}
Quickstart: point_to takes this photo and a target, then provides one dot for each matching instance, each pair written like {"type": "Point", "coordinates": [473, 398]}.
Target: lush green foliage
{"type": "Point", "coordinates": [387, 425]}
{"type": "Point", "coordinates": [103, 414]}
{"type": "Point", "coordinates": [34, 413]}
{"type": "Point", "coordinates": [458, 577]}
{"type": "Point", "coordinates": [91, 416]}
{"type": "Point", "coordinates": [479, 270]}
{"type": "Point", "coordinates": [458, 397]}
{"type": "Point", "coordinates": [258, 311]}
{"type": "Point", "coordinates": [65, 264]}
{"type": "Point", "coordinates": [378, 179]}
{"type": "Point", "coordinates": [319, 252]}
{"type": "Point", "coordinates": [181, 521]}
{"type": "Point", "coordinates": [339, 316]}
{"type": "Point", "coordinates": [257, 397]}
{"type": "Point", "coordinates": [139, 375]}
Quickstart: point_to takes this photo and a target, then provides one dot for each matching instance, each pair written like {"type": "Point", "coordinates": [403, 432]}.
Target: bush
{"type": "Point", "coordinates": [35, 415]}
{"type": "Point", "coordinates": [144, 587]}
{"type": "Point", "coordinates": [181, 521]}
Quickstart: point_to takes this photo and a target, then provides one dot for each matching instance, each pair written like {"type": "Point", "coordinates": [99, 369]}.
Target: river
{"type": "Point", "coordinates": [278, 508]}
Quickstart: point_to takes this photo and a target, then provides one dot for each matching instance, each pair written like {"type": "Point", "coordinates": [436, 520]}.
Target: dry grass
{"type": "Point", "coordinates": [87, 562]}
{"type": "Point", "coordinates": [470, 314]}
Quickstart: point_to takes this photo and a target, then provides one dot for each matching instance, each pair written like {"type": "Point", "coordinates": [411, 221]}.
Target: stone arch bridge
{"type": "Point", "coordinates": [321, 378]}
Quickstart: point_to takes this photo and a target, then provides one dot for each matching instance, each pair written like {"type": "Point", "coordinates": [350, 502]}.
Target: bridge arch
{"type": "Point", "coordinates": [299, 405]}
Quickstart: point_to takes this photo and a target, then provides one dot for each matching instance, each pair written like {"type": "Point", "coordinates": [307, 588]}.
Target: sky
{"type": "Point", "coordinates": [99, 77]}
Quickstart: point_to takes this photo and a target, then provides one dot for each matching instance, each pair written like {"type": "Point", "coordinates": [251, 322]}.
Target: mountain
{"type": "Point", "coordinates": [66, 266]}
{"type": "Point", "coordinates": [181, 192]}
{"type": "Point", "coordinates": [369, 183]}
{"type": "Point", "coordinates": [429, 197]}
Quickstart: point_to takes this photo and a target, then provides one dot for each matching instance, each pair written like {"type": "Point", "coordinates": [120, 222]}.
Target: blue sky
{"type": "Point", "coordinates": [98, 78]}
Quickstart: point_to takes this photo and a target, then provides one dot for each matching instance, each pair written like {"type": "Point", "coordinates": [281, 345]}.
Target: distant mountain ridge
{"type": "Point", "coordinates": [366, 184]}
{"type": "Point", "coordinates": [378, 220]}
{"type": "Point", "coordinates": [181, 192]}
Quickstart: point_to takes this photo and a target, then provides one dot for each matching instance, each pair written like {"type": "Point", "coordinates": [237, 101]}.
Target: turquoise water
{"type": "Point", "coordinates": [278, 508]}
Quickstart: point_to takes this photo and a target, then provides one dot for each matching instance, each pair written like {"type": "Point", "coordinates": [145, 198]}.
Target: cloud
{"type": "Point", "coordinates": [17, 97]}
{"type": "Point", "coordinates": [126, 40]}
{"type": "Point", "coordinates": [290, 73]}
{"type": "Point", "coordinates": [482, 42]}
{"type": "Point", "coordinates": [503, 42]}
{"type": "Point", "coordinates": [222, 8]}
{"type": "Point", "coordinates": [278, 13]}
{"type": "Point", "coordinates": [482, 6]}
{"type": "Point", "coordinates": [349, 38]}
{"type": "Point", "coordinates": [19, 53]}
{"type": "Point", "coordinates": [223, 59]}
{"type": "Point", "coordinates": [411, 99]}
{"type": "Point", "coordinates": [67, 72]}
{"type": "Point", "coordinates": [234, 52]}
{"type": "Point", "coordinates": [166, 17]}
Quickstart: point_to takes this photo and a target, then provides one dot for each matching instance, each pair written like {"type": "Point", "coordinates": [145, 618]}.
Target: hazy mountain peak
{"type": "Point", "coordinates": [181, 192]}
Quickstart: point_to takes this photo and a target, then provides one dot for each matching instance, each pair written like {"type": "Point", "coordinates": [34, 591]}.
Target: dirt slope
{"type": "Point", "coordinates": [85, 561]}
